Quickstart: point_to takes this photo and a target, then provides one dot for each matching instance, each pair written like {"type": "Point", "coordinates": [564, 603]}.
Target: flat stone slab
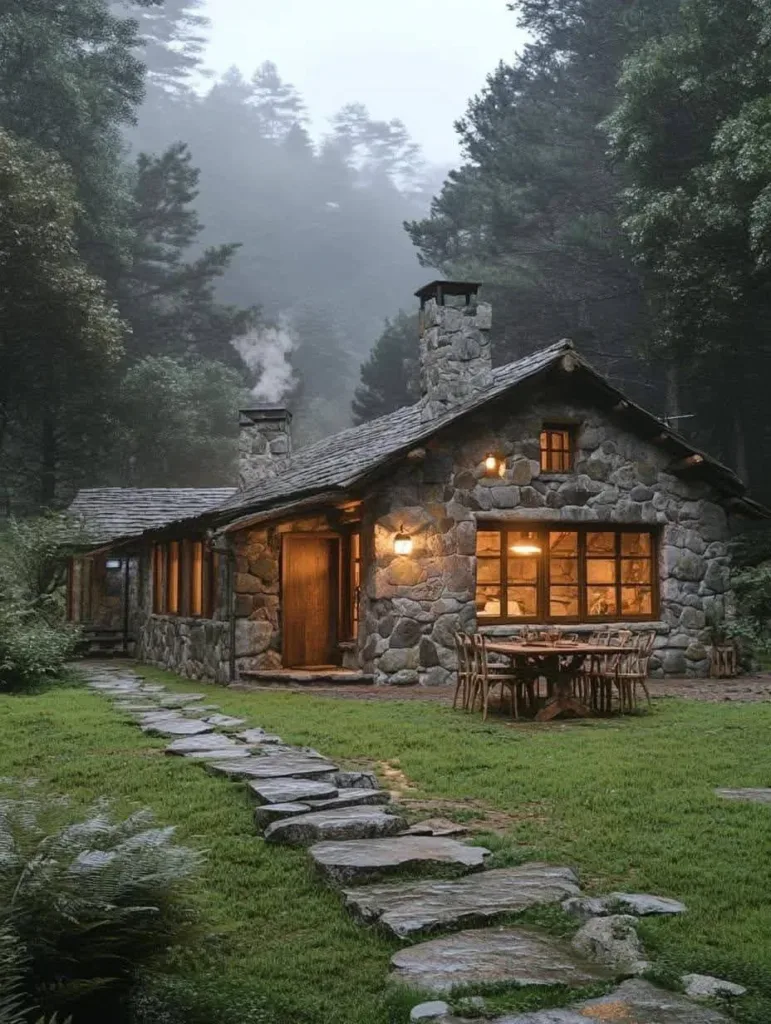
{"type": "Point", "coordinates": [266, 814]}
{"type": "Point", "coordinates": [489, 956]}
{"type": "Point", "coordinates": [180, 700]}
{"type": "Point", "coordinates": [273, 767]}
{"type": "Point", "coordinates": [221, 754]}
{"type": "Point", "coordinates": [177, 727]}
{"type": "Point", "coordinates": [257, 736]}
{"type": "Point", "coordinates": [428, 1011]}
{"type": "Point", "coordinates": [194, 744]}
{"type": "Point", "coordinates": [344, 823]}
{"type": "Point", "coordinates": [749, 796]}
{"type": "Point", "coordinates": [411, 907]}
{"type": "Point", "coordinates": [136, 709]}
{"type": "Point", "coordinates": [704, 986]}
{"type": "Point", "coordinates": [224, 721]}
{"type": "Point", "coordinates": [637, 904]}
{"type": "Point", "coordinates": [282, 791]}
{"type": "Point", "coordinates": [352, 798]}
{"type": "Point", "coordinates": [356, 780]}
{"type": "Point", "coordinates": [436, 827]}
{"type": "Point", "coordinates": [368, 860]}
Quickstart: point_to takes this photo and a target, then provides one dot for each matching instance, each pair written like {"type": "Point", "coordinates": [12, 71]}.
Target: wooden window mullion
{"type": "Point", "coordinates": [583, 609]}
{"type": "Point", "coordinates": [504, 573]}
{"type": "Point", "coordinates": [619, 608]}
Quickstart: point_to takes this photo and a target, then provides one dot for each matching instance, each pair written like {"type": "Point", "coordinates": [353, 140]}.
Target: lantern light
{"type": "Point", "coordinates": [491, 464]}
{"type": "Point", "coordinates": [402, 543]}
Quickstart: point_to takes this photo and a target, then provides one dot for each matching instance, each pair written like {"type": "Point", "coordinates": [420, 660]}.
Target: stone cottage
{"type": "Point", "coordinates": [530, 493]}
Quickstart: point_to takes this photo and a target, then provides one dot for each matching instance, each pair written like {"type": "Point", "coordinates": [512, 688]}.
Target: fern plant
{"type": "Point", "coordinates": [88, 903]}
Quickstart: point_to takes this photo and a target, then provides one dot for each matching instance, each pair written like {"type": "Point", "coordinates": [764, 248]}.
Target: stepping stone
{"type": "Point", "coordinates": [491, 956]}
{"type": "Point", "coordinates": [214, 741]}
{"type": "Point", "coordinates": [342, 824]}
{"type": "Point", "coordinates": [223, 754]}
{"type": "Point", "coordinates": [225, 721]}
{"type": "Point", "coordinates": [368, 860]}
{"type": "Point", "coordinates": [704, 986]}
{"type": "Point", "coordinates": [177, 727]}
{"type": "Point", "coordinates": [266, 814]}
{"type": "Point", "coordinates": [181, 700]}
{"type": "Point", "coordinates": [257, 736]}
{"type": "Point", "coordinates": [612, 941]}
{"type": "Point", "coordinates": [352, 798]}
{"type": "Point", "coordinates": [273, 767]}
{"type": "Point", "coordinates": [198, 709]}
{"type": "Point", "coordinates": [749, 796]}
{"type": "Point", "coordinates": [436, 827]}
{"type": "Point", "coordinates": [356, 780]}
{"type": "Point", "coordinates": [410, 907]}
{"type": "Point", "coordinates": [638, 904]}
{"type": "Point", "coordinates": [282, 791]}
{"type": "Point", "coordinates": [135, 708]}
{"type": "Point", "coordinates": [429, 1011]}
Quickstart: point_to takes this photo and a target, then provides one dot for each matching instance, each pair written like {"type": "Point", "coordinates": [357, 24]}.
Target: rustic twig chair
{"type": "Point", "coordinates": [464, 686]}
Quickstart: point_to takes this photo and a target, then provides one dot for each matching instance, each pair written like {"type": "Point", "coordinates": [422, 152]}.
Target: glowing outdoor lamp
{"type": "Point", "coordinates": [402, 543]}
{"type": "Point", "coordinates": [526, 547]}
{"type": "Point", "coordinates": [491, 464]}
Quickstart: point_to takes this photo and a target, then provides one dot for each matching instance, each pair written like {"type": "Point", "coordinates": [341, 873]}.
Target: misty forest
{"type": "Point", "coordinates": [176, 244]}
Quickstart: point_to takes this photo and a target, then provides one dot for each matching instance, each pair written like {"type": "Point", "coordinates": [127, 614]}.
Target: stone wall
{"type": "Point", "coordinates": [455, 355]}
{"type": "Point", "coordinates": [195, 648]}
{"type": "Point", "coordinates": [413, 605]}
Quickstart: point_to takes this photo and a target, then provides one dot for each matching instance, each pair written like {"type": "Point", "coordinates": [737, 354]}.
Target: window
{"type": "Point", "coordinates": [556, 450]}
{"type": "Point", "coordinates": [555, 575]}
{"type": "Point", "coordinates": [185, 579]}
{"type": "Point", "coordinates": [196, 578]}
{"type": "Point", "coordinates": [172, 578]}
{"type": "Point", "coordinates": [159, 571]}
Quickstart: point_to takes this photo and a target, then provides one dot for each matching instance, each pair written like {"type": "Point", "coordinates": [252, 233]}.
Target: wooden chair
{"type": "Point", "coordinates": [486, 677]}
{"type": "Point", "coordinates": [464, 686]}
{"type": "Point", "coordinates": [631, 672]}
{"type": "Point", "coordinates": [723, 661]}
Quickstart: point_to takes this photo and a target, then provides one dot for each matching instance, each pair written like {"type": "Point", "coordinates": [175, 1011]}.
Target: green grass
{"type": "Point", "coordinates": [628, 802]}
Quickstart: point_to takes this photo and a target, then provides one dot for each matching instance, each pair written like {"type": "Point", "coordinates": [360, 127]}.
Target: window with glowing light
{"type": "Point", "coordinates": [574, 574]}
{"type": "Point", "coordinates": [556, 450]}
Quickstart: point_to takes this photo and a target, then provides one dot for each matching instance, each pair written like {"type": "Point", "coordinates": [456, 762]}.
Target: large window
{"type": "Point", "coordinates": [185, 579]}
{"type": "Point", "coordinates": [565, 575]}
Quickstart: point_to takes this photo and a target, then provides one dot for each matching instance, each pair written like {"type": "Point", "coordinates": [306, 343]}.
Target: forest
{"type": "Point", "coordinates": [174, 244]}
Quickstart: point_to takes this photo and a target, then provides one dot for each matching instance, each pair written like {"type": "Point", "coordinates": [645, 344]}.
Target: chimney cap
{"type": "Point", "coordinates": [439, 289]}
{"type": "Point", "coordinates": [260, 413]}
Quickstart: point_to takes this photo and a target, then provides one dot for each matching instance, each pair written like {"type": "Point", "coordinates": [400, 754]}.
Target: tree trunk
{"type": "Point", "coordinates": [49, 458]}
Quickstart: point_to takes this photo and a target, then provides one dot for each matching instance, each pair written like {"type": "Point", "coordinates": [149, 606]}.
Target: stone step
{"type": "Point", "coordinates": [257, 736]}
{"type": "Point", "coordinates": [346, 823]}
{"type": "Point", "coordinates": [176, 727]}
{"type": "Point", "coordinates": [369, 860]}
{"type": "Point", "coordinates": [225, 721]}
{"type": "Point", "coordinates": [407, 908]}
{"type": "Point", "coordinates": [356, 780]}
{"type": "Point", "coordinates": [352, 798]}
{"type": "Point", "coordinates": [239, 754]}
{"type": "Point", "coordinates": [209, 742]}
{"type": "Point", "coordinates": [277, 767]}
{"type": "Point", "coordinates": [638, 904]}
{"type": "Point", "coordinates": [282, 791]}
{"type": "Point", "coordinates": [492, 956]}
{"type": "Point", "coordinates": [266, 814]}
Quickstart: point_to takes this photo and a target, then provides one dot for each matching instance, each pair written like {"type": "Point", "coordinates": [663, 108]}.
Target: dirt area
{"type": "Point", "coordinates": [747, 689]}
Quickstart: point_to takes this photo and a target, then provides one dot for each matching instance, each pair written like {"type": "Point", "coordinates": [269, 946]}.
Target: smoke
{"type": "Point", "coordinates": [266, 352]}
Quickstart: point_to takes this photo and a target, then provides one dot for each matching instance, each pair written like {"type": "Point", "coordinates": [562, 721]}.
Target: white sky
{"type": "Point", "coordinates": [418, 60]}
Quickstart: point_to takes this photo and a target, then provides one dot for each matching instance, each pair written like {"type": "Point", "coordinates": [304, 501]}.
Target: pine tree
{"type": "Point", "coordinates": [389, 378]}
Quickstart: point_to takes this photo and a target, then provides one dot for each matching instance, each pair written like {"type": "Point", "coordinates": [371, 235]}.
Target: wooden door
{"type": "Point", "coordinates": [310, 600]}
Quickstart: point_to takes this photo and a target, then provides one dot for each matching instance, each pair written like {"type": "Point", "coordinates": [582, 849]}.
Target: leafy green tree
{"type": "Point", "coordinates": [59, 335]}
{"type": "Point", "coordinates": [178, 424]}
{"type": "Point", "coordinates": [390, 377]}
{"type": "Point", "coordinates": [691, 132]}
{"type": "Point", "coordinates": [169, 302]}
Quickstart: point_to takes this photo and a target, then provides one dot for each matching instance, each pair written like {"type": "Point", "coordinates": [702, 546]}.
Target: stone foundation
{"type": "Point", "coordinates": [195, 648]}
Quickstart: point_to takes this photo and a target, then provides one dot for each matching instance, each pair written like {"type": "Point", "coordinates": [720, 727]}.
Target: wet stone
{"type": "Point", "coordinates": [257, 736]}
{"type": "Point", "coordinates": [368, 860]}
{"type": "Point", "coordinates": [221, 754]}
{"type": "Point", "coordinates": [352, 798]}
{"type": "Point", "coordinates": [704, 986]}
{"type": "Point", "coordinates": [273, 768]}
{"type": "Point", "coordinates": [224, 721]}
{"type": "Point", "coordinates": [410, 907]}
{"type": "Point", "coordinates": [490, 956]}
{"type": "Point", "coordinates": [344, 823]}
{"type": "Point", "coordinates": [638, 904]}
{"type": "Point", "coordinates": [356, 780]}
{"type": "Point", "coordinates": [136, 709]}
{"type": "Point", "coordinates": [266, 814]}
{"type": "Point", "coordinates": [612, 941]}
{"type": "Point", "coordinates": [750, 796]}
{"type": "Point", "coordinates": [283, 791]}
{"type": "Point", "coordinates": [180, 700]}
{"type": "Point", "coordinates": [177, 727]}
{"type": "Point", "coordinates": [196, 744]}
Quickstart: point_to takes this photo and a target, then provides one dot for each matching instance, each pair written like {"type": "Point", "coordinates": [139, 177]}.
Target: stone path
{"type": "Point", "coordinates": [748, 796]}
{"type": "Point", "coordinates": [412, 880]}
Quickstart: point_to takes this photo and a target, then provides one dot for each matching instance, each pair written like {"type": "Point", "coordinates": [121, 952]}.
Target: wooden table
{"type": "Point", "coordinates": [548, 656]}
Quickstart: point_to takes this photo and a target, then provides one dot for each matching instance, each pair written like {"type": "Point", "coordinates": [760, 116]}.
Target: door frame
{"type": "Point", "coordinates": [335, 590]}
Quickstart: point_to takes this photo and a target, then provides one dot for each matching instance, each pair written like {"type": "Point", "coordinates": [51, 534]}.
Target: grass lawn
{"type": "Point", "coordinates": [628, 802]}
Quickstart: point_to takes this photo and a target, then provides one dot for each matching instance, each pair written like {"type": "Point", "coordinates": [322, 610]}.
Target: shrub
{"type": "Point", "coordinates": [35, 640]}
{"type": "Point", "coordinates": [88, 903]}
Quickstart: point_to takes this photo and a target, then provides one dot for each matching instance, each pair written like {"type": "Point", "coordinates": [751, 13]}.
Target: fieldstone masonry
{"type": "Point", "coordinates": [455, 355]}
{"type": "Point", "coordinates": [264, 444]}
{"type": "Point", "coordinates": [413, 605]}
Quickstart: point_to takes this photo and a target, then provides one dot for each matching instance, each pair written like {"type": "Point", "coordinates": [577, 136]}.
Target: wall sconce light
{"type": "Point", "coordinates": [402, 543]}
{"type": "Point", "coordinates": [491, 465]}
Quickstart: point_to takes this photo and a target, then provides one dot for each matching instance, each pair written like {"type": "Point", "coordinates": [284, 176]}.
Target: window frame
{"type": "Point", "coordinates": [541, 531]}
{"type": "Point", "coordinates": [569, 430]}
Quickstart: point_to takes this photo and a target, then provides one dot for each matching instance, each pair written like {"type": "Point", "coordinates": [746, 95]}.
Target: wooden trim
{"type": "Point", "coordinates": [541, 530]}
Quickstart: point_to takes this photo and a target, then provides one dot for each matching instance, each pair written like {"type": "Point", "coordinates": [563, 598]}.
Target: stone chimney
{"type": "Point", "coordinates": [455, 352]}
{"type": "Point", "coordinates": [264, 444]}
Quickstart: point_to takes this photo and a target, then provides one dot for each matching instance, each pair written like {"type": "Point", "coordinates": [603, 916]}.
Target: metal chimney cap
{"type": "Point", "coordinates": [439, 289]}
{"type": "Point", "coordinates": [260, 413]}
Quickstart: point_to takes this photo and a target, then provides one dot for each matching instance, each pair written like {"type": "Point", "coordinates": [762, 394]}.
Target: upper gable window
{"type": "Point", "coordinates": [556, 449]}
